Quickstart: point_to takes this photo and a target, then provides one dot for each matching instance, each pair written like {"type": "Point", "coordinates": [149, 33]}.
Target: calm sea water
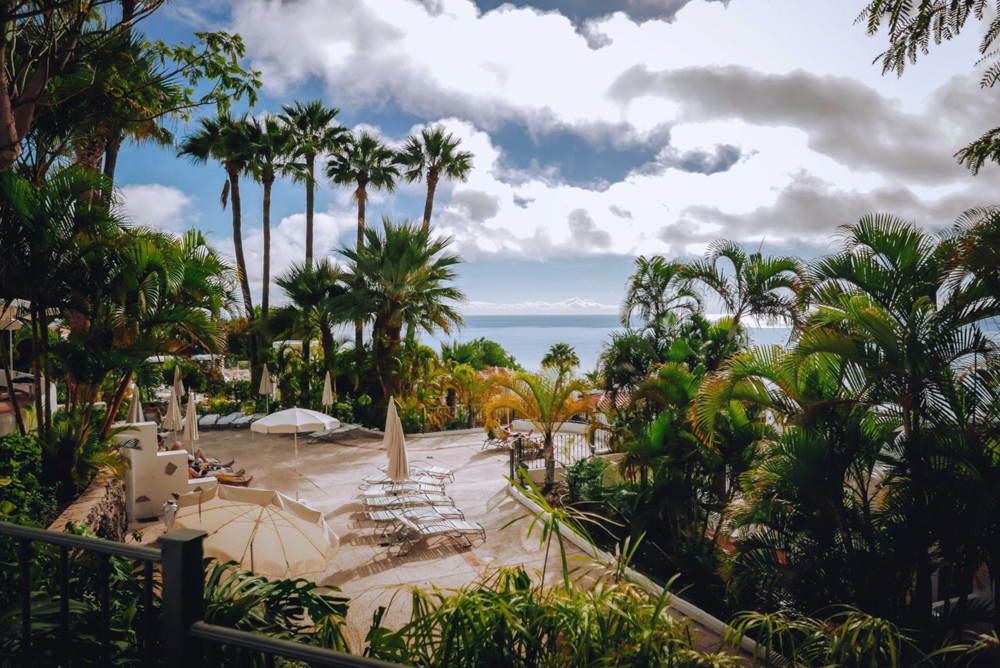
{"type": "Point", "coordinates": [528, 337]}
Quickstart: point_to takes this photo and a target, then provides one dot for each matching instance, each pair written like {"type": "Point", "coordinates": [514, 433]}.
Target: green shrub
{"type": "Point", "coordinates": [584, 480]}
{"type": "Point", "coordinates": [23, 498]}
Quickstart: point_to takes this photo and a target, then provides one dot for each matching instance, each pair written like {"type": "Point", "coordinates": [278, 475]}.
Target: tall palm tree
{"type": "Point", "coordinates": [658, 287]}
{"type": "Point", "coordinates": [315, 295]}
{"type": "Point", "coordinates": [314, 133]}
{"type": "Point", "coordinates": [401, 276]}
{"type": "Point", "coordinates": [271, 143]}
{"type": "Point", "coordinates": [430, 156]}
{"type": "Point", "coordinates": [758, 285]}
{"type": "Point", "coordinates": [547, 399]}
{"type": "Point", "coordinates": [224, 139]}
{"type": "Point", "coordinates": [561, 354]}
{"type": "Point", "coordinates": [364, 162]}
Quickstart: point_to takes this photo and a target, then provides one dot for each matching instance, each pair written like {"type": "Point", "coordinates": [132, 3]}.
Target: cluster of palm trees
{"type": "Point", "coordinates": [289, 144]}
{"type": "Point", "coordinates": [857, 465]}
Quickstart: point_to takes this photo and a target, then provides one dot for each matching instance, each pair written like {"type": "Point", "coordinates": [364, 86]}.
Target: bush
{"type": "Point", "coordinates": [23, 498]}
{"type": "Point", "coordinates": [584, 480]}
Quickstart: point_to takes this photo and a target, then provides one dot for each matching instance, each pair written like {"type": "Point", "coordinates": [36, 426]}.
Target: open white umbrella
{"type": "Point", "coordinates": [135, 407]}
{"type": "Point", "coordinates": [266, 388]}
{"type": "Point", "coordinates": [260, 529]}
{"type": "Point", "coordinates": [178, 385]}
{"type": "Point", "coordinates": [172, 420]}
{"type": "Point", "coordinates": [395, 445]}
{"type": "Point", "coordinates": [327, 391]}
{"type": "Point", "coordinates": [294, 421]}
{"type": "Point", "coordinates": [191, 423]}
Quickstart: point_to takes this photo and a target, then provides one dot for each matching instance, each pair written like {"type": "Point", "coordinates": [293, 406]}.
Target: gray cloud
{"type": "Point", "coordinates": [809, 208]}
{"type": "Point", "coordinates": [698, 161]}
{"type": "Point", "coordinates": [843, 118]}
{"type": "Point", "coordinates": [585, 231]}
{"type": "Point", "coordinates": [580, 11]}
{"type": "Point", "coordinates": [476, 205]}
{"type": "Point", "coordinates": [620, 212]}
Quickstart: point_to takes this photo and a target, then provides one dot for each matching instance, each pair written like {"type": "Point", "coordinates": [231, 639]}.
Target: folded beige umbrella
{"type": "Point", "coordinates": [135, 407]}
{"type": "Point", "coordinates": [191, 422]}
{"type": "Point", "coordinates": [266, 388]}
{"type": "Point", "coordinates": [327, 391]}
{"type": "Point", "coordinates": [178, 385]}
{"type": "Point", "coordinates": [172, 420]}
{"type": "Point", "coordinates": [395, 445]}
{"type": "Point", "coordinates": [262, 530]}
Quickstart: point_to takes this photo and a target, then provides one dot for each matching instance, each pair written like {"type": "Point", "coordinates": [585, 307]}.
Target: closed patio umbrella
{"type": "Point", "coordinates": [294, 421]}
{"type": "Point", "coordinates": [135, 407]}
{"type": "Point", "coordinates": [327, 391]}
{"type": "Point", "coordinates": [266, 388]}
{"type": "Point", "coordinates": [172, 420]}
{"type": "Point", "coordinates": [395, 445]}
{"type": "Point", "coordinates": [191, 422]}
{"type": "Point", "coordinates": [261, 529]}
{"type": "Point", "coordinates": [178, 385]}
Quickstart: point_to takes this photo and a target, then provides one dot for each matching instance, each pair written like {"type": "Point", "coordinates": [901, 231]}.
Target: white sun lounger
{"type": "Point", "coordinates": [411, 532]}
{"type": "Point", "coordinates": [415, 514]}
{"type": "Point", "coordinates": [382, 479]}
{"type": "Point", "coordinates": [407, 500]}
{"type": "Point", "coordinates": [247, 420]}
{"type": "Point", "coordinates": [208, 420]}
{"type": "Point", "coordinates": [229, 419]}
{"type": "Point", "coordinates": [424, 469]}
{"type": "Point", "coordinates": [400, 488]}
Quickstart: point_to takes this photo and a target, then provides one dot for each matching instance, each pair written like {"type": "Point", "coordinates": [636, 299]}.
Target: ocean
{"type": "Point", "coordinates": [528, 337]}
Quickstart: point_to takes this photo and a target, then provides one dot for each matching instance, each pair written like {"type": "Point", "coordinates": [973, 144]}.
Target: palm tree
{"type": "Point", "coordinates": [270, 145]}
{"type": "Point", "coordinates": [364, 162]}
{"type": "Point", "coordinates": [314, 133]}
{"type": "Point", "coordinates": [760, 286]}
{"type": "Point", "coordinates": [315, 294]}
{"type": "Point", "coordinates": [430, 156]}
{"type": "Point", "coordinates": [547, 399]}
{"type": "Point", "coordinates": [401, 277]}
{"type": "Point", "coordinates": [561, 355]}
{"type": "Point", "coordinates": [657, 288]}
{"type": "Point", "coordinates": [224, 139]}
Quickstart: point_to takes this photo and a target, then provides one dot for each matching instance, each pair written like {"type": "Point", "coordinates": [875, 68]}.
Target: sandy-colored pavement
{"type": "Point", "coordinates": [365, 571]}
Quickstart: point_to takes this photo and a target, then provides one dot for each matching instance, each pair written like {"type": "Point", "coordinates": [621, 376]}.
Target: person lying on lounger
{"type": "Point", "coordinates": [200, 470]}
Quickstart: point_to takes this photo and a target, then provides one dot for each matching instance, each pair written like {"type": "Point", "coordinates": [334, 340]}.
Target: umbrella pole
{"type": "Point", "coordinates": [296, 466]}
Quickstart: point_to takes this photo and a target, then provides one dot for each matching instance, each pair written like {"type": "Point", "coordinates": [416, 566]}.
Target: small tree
{"type": "Point", "coordinates": [547, 399]}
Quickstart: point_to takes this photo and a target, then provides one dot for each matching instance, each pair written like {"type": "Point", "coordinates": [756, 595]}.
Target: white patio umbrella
{"type": "Point", "coordinates": [266, 388]}
{"type": "Point", "coordinates": [294, 421]}
{"type": "Point", "coordinates": [191, 423]}
{"type": "Point", "coordinates": [135, 407]}
{"type": "Point", "coordinates": [178, 385]}
{"type": "Point", "coordinates": [395, 445]}
{"type": "Point", "coordinates": [327, 391]}
{"type": "Point", "coordinates": [260, 529]}
{"type": "Point", "coordinates": [172, 420]}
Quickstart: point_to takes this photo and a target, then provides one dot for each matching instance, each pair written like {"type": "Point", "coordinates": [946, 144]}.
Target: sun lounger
{"type": "Point", "coordinates": [416, 514]}
{"type": "Point", "coordinates": [383, 479]}
{"type": "Point", "coordinates": [229, 419]}
{"type": "Point", "coordinates": [420, 468]}
{"type": "Point", "coordinates": [410, 532]}
{"type": "Point", "coordinates": [208, 420]}
{"type": "Point", "coordinates": [407, 500]}
{"type": "Point", "coordinates": [400, 488]}
{"type": "Point", "coordinates": [247, 420]}
{"type": "Point", "coordinates": [496, 437]}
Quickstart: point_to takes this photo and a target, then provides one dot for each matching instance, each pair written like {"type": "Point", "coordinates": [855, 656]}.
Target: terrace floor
{"type": "Point", "coordinates": [364, 571]}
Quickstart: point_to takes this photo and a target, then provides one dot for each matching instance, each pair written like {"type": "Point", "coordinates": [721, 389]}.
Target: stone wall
{"type": "Point", "coordinates": [101, 507]}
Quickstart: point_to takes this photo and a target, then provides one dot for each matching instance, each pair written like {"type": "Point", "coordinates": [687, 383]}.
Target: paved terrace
{"type": "Point", "coordinates": [364, 571]}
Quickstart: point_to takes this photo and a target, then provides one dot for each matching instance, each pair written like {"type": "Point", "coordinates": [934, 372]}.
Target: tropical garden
{"type": "Point", "coordinates": [835, 498]}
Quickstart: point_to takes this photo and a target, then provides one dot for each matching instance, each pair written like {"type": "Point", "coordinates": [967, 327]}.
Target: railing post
{"type": "Point", "coordinates": [183, 596]}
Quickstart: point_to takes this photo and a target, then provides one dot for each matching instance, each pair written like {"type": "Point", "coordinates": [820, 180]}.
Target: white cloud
{"type": "Point", "coordinates": [158, 206]}
{"type": "Point", "coordinates": [571, 306]}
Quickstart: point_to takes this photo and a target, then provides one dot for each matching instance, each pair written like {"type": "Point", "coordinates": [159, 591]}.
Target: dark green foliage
{"type": "Point", "coordinates": [23, 497]}
{"type": "Point", "coordinates": [479, 354]}
{"type": "Point", "coordinates": [584, 480]}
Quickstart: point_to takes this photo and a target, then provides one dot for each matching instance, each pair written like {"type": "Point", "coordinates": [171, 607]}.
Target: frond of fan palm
{"type": "Point", "coordinates": [430, 156]}
{"type": "Point", "coordinates": [656, 288]}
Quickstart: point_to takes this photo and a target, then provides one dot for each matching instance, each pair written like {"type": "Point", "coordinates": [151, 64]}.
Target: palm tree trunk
{"type": "Point", "coordinates": [8, 371]}
{"type": "Point", "coordinates": [241, 262]}
{"type": "Point", "coordinates": [359, 350]}
{"type": "Point", "coordinates": [432, 181]}
{"type": "Point", "coordinates": [310, 203]}
{"type": "Point", "coordinates": [110, 164]}
{"type": "Point", "coordinates": [550, 463]}
{"type": "Point", "coordinates": [266, 289]}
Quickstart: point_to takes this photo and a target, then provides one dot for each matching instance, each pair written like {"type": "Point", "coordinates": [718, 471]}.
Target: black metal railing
{"type": "Point", "coordinates": [567, 449]}
{"type": "Point", "coordinates": [182, 632]}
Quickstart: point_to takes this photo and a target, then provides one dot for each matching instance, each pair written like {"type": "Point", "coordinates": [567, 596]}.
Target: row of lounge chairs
{"type": "Point", "coordinates": [235, 419]}
{"type": "Point", "coordinates": [417, 509]}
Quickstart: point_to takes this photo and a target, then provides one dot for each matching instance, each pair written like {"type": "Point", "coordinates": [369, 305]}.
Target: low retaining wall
{"type": "Point", "coordinates": [101, 507]}
{"type": "Point", "coordinates": [685, 608]}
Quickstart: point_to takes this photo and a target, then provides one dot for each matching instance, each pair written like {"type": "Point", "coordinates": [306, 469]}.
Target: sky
{"type": "Point", "coordinates": [601, 129]}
